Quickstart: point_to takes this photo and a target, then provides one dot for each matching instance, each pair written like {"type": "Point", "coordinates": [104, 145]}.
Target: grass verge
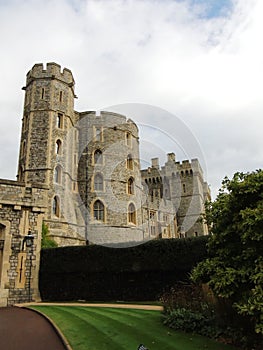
{"type": "Point", "coordinates": [98, 328]}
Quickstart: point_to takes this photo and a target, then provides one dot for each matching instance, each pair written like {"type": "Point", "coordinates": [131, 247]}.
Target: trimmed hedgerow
{"type": "Point", "coordinates": [141, 272]}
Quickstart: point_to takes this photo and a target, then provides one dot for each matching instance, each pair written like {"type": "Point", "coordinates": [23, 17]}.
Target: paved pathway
{"type": "Point", "coordinates": [23, 329]}
{"type": "Point", "coordinates": [116, 305]}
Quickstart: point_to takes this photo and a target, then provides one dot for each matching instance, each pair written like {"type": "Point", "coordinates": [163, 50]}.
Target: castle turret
{"type": "Point", "coordinates": [48, 114]}
{"type": "Point", "coordinates": [49, 144]}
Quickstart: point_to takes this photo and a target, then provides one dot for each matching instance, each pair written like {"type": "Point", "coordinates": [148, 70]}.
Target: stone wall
{"type": "Point", "coordinates": [22, 209]}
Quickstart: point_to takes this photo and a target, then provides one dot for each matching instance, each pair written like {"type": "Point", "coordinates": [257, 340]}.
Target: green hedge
{"type": "Point", "coordinates": [99, 273]}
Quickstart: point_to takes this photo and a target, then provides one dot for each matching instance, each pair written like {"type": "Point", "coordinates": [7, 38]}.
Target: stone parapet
{"type": "Point", "coordinates": [53, 71]}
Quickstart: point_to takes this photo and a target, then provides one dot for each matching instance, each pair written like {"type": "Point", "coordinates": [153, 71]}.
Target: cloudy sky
{"type": "Point", "coordinates": [189, 72]}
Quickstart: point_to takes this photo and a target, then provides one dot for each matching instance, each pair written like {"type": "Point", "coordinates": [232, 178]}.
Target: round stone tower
{"type": "Point", "coordinates": [49, 144]}
{"type": "Point", "coordinates": [109, 178]}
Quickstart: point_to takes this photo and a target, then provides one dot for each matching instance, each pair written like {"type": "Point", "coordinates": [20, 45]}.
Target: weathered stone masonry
{"type": "Point", "coordinates": [79, 173]}
{"type": "Point", "coordinates": [22, 210]}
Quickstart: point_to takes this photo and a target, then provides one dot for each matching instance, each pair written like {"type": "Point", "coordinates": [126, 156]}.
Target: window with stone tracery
{"type": "Point", "coordinates": [99, 211]}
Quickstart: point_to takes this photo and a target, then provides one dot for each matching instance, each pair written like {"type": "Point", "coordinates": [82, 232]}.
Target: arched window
{"type": "Point", "coordinates": [131, 214]}
{"type": "Point", "coordinates": [131, 186]}
{"type": "Point", "coordinates": [129, 162]}
{"type": "Point", "coordinates": [58, 147]}
{"type": "Point", "coordinates": [98, 211]}
{"type": "Point", "coordinates": [98, 157]}
{"type": "Point", "coordinates": [58, 174]}
{"type": "Point", "coordinates": [98, 182]}
{"type": "Point", "coordinates": [56, 206]}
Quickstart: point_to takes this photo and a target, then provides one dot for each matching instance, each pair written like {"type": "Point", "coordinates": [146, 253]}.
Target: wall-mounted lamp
{"type": "Point", "coordinates": [28, 240]}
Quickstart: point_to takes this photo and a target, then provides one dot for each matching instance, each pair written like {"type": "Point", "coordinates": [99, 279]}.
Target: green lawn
{"type": "Point", "coordinates": [94, 328]}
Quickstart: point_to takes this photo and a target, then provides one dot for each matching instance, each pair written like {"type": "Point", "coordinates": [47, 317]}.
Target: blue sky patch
{"type": "Point", "coordinates": [214, 8]}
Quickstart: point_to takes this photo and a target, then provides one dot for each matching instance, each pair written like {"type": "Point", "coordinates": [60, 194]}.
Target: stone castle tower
{"type": "Point", "coordinates": [91, 166]}
{"type": "Point", "coordinates": [90, 163]}
{"type": "Point", "coordinates": [109, 177]}
{"type": "Point", "coordinates": [79, 173]}
{"type": "Point", "coordinates": [49, 145]}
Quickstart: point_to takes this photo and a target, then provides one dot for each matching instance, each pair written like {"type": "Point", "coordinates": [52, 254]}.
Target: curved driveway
{"type": "Point", "coordinates": [23, 329]}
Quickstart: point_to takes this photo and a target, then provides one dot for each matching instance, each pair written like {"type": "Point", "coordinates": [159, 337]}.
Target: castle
{"type": "Point", "coordinates": [79, 173]}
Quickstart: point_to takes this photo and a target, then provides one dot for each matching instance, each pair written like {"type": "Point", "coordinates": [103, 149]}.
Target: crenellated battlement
{"type": "Point", "coordinates": [53, 71]}
{"type": "Point", "coordinates": [194, 165]}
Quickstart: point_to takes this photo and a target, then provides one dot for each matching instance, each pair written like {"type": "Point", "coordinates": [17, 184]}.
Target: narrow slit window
{"type": "Point", "coordinates": [128, 139]}
{"type": "Point", "coordinates": [98, 157]}
{"type": "Point", "coordinates": [129, 162]}
{"type": "Point", "coordinates": [58, 147]}
{"type": "Point", "coordinates": [56, 206]}
{"type": "Point", "coordinates": [58, 174]}
{"type": "Point", "coordinates": [98, 134]}
{"type": "Point", "coordinates": [130, 186]}
{"type": "Point", "coordinates": [59, 121]}
{"type": "Point", "coordinates": [98, 182]}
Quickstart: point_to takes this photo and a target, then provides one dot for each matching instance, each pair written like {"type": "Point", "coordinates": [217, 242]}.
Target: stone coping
{"type": "Point", "coordinates": [117, 305]}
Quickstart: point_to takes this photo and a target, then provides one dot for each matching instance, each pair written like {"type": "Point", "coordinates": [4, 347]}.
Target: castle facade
{"type": "Point", "coordinates": [79, 173]}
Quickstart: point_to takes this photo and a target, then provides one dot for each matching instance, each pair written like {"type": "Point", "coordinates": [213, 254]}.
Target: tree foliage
{"type": "Point", "coordinates": [234, 269]}
{"type": "Point", "coordinates": [46, 241]}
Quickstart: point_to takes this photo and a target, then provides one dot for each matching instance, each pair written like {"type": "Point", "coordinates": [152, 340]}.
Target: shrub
{"type": "Point", "coordinates": [187, 308]}
{"type": "Point", "coordinates": [101, 273]}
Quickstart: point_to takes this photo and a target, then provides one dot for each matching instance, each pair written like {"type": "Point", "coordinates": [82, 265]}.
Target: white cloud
{"type": "Point", "coordinates": [207, 71]}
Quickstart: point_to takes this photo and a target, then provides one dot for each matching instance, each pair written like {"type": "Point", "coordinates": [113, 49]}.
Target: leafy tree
{"type": "Point", "coordinates": [46, 241]}
{"type": "Point", "coordinates": [234, 269]}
